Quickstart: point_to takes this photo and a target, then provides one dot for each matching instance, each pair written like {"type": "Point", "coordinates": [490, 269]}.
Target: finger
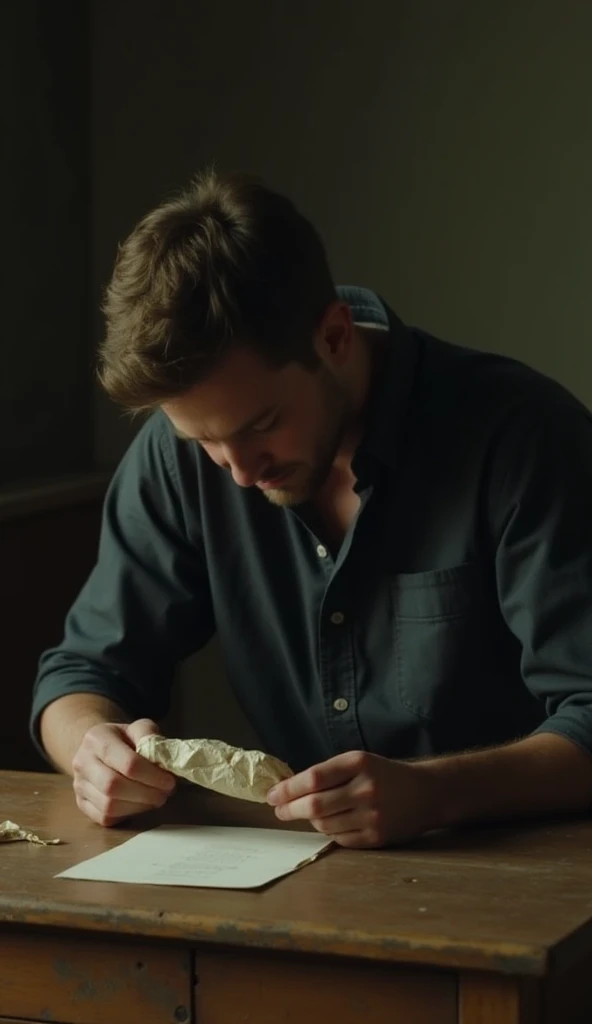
{"type": "Point", "coordinates": [109, 808]}
{"type": "Point", "coordinates": [356, 820]}
{"type": "Point", "coordinates": [318, 805]}
{"type": "Point", "coordinates": [114, 786]}
{"type": "Point", "coordinates": [349, 830]}
{"type": "Point", "coordinates": [338, 824]}
{"type": "Point", "coordinates": [140, 728]}
{"type": "Point", "coordinates": [91, 811]}
{"type": "Point", "coordinates": [99, 817]}
{"type": "Point", "coordinates": [356, 830]}
{"type": "Point", "coordinates": [326, 775]}
{"type": "Point", "coordinates": [356, 841]}
{"type": "Point", "coordinates": [116, 754]}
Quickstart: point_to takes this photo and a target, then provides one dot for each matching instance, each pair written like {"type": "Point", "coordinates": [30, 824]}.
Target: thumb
{"type": "Point", "coordinates": [140, 728]}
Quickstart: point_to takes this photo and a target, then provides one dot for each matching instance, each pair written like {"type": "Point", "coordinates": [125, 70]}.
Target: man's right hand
{"type": "Point", "coordinates": [111, 781]}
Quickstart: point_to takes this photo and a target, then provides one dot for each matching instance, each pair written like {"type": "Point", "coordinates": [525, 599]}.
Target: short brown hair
{"type": "Point", "coordinates": [228, 261]}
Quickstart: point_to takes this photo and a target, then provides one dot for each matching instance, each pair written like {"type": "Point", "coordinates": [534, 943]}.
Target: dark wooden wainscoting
{"type": "Point", "coordinates": [48, 542]}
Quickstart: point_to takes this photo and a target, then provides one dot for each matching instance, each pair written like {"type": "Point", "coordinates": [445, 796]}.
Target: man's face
{"type": "Point", "coordinates": [278, 430]}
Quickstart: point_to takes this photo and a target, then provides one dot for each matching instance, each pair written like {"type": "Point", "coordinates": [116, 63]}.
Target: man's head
{"type": "Point", "coordinates": [222, 311]}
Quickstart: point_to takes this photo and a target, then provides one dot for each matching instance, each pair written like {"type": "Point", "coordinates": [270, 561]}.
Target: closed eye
{"type": "Point", "coordinates": [266, 425]}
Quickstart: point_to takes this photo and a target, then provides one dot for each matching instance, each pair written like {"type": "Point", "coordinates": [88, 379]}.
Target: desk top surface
{"type": "Point", "coordinates": [515, 899]}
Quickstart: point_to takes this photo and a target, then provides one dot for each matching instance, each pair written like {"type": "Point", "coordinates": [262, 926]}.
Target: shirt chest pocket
{"type": "Point", "coordinates": [439, 620]}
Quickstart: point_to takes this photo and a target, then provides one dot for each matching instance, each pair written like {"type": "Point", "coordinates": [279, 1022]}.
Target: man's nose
{"type": "Point", "coordinates": [244, 465]}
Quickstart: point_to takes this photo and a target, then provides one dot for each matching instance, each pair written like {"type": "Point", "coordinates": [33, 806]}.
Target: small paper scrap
{"type": "Point", "coordinates": [246, 774]}
{"type": "Point", "coordinates": [10, 832]}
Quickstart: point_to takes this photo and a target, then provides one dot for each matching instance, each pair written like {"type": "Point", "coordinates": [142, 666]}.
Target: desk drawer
{"type": "Point", "coordinates": [247, 987]}
{"type": "Point", "coordinates": [86, 981]}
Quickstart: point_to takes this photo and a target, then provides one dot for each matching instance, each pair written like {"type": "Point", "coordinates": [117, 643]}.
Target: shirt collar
{"type": "Point", "coordinates": [392, 390]}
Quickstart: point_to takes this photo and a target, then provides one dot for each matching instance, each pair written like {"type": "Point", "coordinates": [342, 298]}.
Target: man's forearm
{"type": "Point", "coordinates": [65, 721]}
{"type": "Point", "coordinates": [541, 774]}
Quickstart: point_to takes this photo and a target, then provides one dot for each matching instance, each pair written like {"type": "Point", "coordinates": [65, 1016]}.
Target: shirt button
{"type": "Point", "coordinates": [337, 618]}
{"type": "Point", "coordinates": [341, 704]}
{"type": "Point", "coordinates": [322, 551]}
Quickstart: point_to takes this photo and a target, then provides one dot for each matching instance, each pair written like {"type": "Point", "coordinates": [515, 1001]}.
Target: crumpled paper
{"type": "Point", "coordinates": [246, 774]}
{"type": "Point", "coordinates": [10, 832]}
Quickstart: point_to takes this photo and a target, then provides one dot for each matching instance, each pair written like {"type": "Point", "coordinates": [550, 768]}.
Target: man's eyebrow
{"type": "Point", "coordinates": [240, 430]}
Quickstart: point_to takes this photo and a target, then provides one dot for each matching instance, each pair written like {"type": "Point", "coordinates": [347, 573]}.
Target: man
{"type": "Point", "coordinates": [391, 535]}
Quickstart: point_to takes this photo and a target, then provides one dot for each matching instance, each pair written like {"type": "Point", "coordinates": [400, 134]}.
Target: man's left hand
{"type": "Point", "coordinates": [361, 800]}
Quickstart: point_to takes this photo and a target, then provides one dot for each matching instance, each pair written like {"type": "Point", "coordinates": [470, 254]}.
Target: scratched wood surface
{"type": "Point", "coordinates": [93, 979]}
{"type": "Point", "coordinates": [515, 900]}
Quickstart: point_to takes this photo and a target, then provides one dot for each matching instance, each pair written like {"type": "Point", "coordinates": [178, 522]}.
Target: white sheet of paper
{"type": "Point", "coordinates": [203, 855]}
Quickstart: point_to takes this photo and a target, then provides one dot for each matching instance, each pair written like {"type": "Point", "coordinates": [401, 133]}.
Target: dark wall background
{"type": "Point", "coordinates": [46, 398]}
{"type": "Point", "coordinates": [443, 147]}
{"type": "Point", "coordinates": [444, 150]}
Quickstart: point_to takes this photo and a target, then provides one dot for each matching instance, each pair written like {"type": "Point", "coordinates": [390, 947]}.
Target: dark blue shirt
{"type": "Point", "coordinates": [457, 612]}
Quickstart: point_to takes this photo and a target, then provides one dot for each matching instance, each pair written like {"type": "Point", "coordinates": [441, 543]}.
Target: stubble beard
{"type": "Point", "coordinates": [337, 422]}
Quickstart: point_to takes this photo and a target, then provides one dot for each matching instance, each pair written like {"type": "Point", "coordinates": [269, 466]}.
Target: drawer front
{"type": "Point", "coordinates": [245, 987]}
{"type": "Point", "coordinates": [83, 980]}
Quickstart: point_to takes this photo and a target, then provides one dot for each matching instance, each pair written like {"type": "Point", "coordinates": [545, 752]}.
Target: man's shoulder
{"type": "Point", "coordinates": [490, 384]}
{"type": "Point", "coordinates": [157, 458]}
{"type": "Point", "coordinates": [152, 445]}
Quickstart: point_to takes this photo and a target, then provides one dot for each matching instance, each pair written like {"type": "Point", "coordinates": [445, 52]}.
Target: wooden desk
{"type": "Point", "coordinates": [490, 926]}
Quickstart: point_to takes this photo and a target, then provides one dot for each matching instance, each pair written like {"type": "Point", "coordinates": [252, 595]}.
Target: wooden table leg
{"type": "Point", "coordinates": [495, 999]}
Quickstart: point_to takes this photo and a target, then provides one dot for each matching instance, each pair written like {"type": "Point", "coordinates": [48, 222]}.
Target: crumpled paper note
{"type": "Point", "coordinates": [246, 774]}
{"type": "Point", "coordinates": [10, 832]}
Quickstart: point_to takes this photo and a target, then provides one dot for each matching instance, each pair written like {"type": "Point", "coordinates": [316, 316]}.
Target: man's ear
{"type": "Point", "coordinates": [334, 335]}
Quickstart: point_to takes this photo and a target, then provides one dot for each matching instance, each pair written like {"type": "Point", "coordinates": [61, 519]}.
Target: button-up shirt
{"type": "Point", "coordinates": [456, 613]}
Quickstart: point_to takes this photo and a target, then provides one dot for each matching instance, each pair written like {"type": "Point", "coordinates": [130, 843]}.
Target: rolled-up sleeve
{"type": "Point", "coordinates": [542, 513]}
{"type": "Point", "coordinates": [146, 605]}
